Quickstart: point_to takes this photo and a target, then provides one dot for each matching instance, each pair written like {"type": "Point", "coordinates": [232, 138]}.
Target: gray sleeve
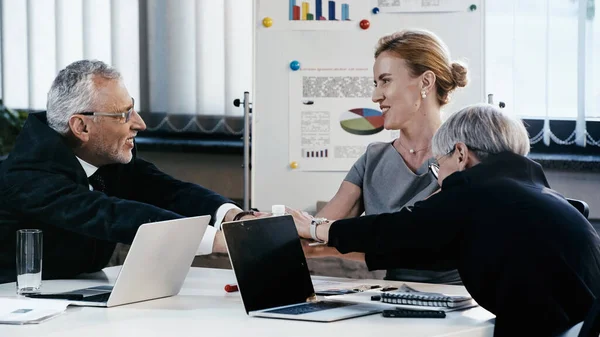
{"type": "Point", "coordinates": [357, 172]}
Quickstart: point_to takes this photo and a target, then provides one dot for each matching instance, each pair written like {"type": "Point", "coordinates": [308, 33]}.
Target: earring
{"type": "Point", "coordinates": [423, 94]}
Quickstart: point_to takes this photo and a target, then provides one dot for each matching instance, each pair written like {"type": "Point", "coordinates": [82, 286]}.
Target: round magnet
{"type": "Point", "coordinates": [364, 24]}
{"type": "Point", "coordinates": [375, 10]}
{"type": "Point", "coordinates": [267, 22]}
{"type": "Point", "coordinates": [294, 65]}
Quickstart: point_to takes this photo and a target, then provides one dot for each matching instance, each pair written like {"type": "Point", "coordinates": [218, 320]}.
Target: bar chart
{"type": "Point", "coordinates": [318, 10]}
{"type": "Point", "coordinates": [315, 153]}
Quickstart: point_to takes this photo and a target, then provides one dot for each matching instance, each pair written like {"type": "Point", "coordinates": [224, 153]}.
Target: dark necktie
{"type": "Point", "coordinates": [97, 182]}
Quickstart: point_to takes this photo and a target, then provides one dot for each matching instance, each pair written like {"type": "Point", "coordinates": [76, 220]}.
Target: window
{"type": "Point", "coordinates": [541, 60]}
{"type": "Point", "coordinates": [183, 61]}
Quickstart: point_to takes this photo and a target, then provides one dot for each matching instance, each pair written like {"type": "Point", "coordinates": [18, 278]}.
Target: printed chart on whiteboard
{"type": "Point", "coordinates": [332, 118]}
{"type": "Point", "coordinates": [315, 14]}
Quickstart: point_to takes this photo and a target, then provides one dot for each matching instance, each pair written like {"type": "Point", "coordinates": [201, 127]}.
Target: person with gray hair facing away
{"type": "Point", "coordinates": [74, 174]}
{"type": "Point", "coordinates": [523, 252]}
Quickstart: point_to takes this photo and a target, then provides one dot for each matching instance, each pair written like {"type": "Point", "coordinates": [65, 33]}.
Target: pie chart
{"type": "Point", "coordinates": [362, 121]}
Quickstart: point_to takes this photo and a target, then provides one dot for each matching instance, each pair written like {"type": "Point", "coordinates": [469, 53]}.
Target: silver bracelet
{"type": "Point", "coordinates": [313, 228]}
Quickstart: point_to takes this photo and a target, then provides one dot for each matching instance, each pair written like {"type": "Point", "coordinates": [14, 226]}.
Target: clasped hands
{"type": "Point", "coordinates": [302, 221]}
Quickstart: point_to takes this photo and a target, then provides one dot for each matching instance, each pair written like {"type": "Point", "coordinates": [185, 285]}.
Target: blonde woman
{"type": "Point", "coordinates": [414, 78]}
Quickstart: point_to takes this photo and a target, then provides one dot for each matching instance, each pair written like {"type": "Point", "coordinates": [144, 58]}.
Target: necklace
{"type": "Point", "coordinates": [413, 151]}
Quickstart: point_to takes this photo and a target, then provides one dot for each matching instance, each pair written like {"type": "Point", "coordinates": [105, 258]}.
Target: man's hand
{"type": "Point", "coordinates": [230, 215]}
{"type": "Point", "coordinates": [256, 215]}
{"type": "Point", "coordinates": [219, 243]}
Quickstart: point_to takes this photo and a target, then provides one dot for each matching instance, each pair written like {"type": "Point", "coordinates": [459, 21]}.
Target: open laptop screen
{"type": "Point", "coordinates": [268, 262]}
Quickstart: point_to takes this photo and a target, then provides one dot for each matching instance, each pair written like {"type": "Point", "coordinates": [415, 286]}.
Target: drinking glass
{"type": "Point", "coordinates": [29, 260]}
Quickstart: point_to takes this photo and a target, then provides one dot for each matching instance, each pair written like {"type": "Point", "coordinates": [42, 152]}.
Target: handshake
{"type": "Point", "coordinates": [313, 231]}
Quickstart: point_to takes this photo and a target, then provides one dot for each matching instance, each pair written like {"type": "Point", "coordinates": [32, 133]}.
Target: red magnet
{"type": "Point", "coordinates": [364, 24]}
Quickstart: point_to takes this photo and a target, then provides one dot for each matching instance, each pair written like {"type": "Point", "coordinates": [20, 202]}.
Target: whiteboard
{"type": "Point", "coordinates": [345, 46]}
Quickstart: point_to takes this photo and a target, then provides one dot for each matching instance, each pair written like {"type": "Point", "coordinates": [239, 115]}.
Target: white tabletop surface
{"type": "Point", "coordinates": [203, 308]}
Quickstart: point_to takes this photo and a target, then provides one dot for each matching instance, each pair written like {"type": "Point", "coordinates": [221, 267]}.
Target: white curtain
{"type": "Point", "coordinates": [539, 56]}
{"type": "Point", "coordinates": [40, 37]}
{"type": "Point", "coordinates": [194, 56]}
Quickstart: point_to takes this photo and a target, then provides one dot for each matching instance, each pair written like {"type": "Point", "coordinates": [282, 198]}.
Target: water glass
{"type": "Point", "coordinates": [29, 260]}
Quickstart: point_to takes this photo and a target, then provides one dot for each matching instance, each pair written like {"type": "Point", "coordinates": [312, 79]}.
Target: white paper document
{"type": "Point", "coordinates": [29, 311]}
{"type": "Point", "coordinates": [332, 118]}
{"type": "Point", "coordinates": [415, 6]}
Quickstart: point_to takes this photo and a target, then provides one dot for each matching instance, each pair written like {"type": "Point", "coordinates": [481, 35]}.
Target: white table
{"type": "Point", "coordinates": [203, 308]}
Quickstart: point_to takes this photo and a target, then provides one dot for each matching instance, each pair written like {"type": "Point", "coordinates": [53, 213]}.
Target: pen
{"type": "Point", "coordinates": [230, 288]}
{"type": "Point", "coordinates": [72, 297]}
{"type": "Point", "coordinates": [389, 288]}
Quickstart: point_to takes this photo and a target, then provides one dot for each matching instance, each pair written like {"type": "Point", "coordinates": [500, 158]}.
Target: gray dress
{"type": "Point", "coordinates": [387, 185]}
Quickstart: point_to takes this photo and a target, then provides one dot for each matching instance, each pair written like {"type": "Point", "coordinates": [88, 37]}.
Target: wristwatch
{"type": "Point", "coordinates": [242, 214]}
{"type": "Point", "coordinates": [313, 228]}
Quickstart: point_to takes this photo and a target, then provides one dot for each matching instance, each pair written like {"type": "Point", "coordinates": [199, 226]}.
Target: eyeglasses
{"type": "Point", "coordinates": [434, 167]}
{"type": "Point", "coordinates": [125, 116]}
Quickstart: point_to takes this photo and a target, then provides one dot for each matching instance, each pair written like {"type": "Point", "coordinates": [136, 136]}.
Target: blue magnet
{"type": "Point", "coordinates": [375, 10]}
{"type": "Point", "coordinates": [294, 65]}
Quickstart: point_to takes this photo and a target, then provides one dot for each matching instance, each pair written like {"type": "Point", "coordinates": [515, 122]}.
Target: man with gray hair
{"type": "Point", "coordinates": [74, 174]}
{"type": "Point", "coordinates": [523, 252]}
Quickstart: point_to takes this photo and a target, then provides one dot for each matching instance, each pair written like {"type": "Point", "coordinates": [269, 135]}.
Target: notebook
{"type": "Point", "coordinates": [409, 298]}
{"type": "Point", "coordinates": [156, 265]}
{"type": "Point", "coordinates": [272, 274]}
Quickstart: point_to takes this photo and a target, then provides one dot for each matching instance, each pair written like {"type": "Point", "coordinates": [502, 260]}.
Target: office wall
{"type": "Point", "coordinates": [222, 173]}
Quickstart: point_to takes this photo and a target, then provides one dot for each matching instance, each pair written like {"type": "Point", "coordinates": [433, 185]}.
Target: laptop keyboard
{"type": "Point", "coordinates": [309, 307]}
{"type": "Point", "coordinates": [97, 298]}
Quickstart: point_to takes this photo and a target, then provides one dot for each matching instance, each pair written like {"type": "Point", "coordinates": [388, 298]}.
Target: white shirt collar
{"type": "Point", "coordinates": [87, 167]}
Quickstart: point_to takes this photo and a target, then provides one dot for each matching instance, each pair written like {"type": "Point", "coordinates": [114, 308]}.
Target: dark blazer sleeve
{"type": "Point", "coordinates": [157, 188]}
{"type": "Point", "coordinates": [55, 200]}
{"type": "Point", "coordinates": [426, 235]}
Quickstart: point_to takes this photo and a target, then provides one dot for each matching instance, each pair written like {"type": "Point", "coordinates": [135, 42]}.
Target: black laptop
{"type": "Point", "coordinates": [272, 274]}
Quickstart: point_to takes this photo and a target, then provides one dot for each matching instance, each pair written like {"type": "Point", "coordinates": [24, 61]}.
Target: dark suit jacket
{"type": "Point", "coordinates": [523, 252]}
{"type": "Point", "coordinates": [42, 185]}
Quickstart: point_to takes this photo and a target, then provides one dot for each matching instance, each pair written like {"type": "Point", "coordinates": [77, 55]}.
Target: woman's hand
{"type": "Point", "coordinates": [302, 221]}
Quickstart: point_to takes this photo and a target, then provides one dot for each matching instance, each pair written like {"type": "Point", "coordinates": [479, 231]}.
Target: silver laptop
{"type": "Point", "coordinates": [156, 265]}
{"type": "Point", "coordinates": [272, 274]}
